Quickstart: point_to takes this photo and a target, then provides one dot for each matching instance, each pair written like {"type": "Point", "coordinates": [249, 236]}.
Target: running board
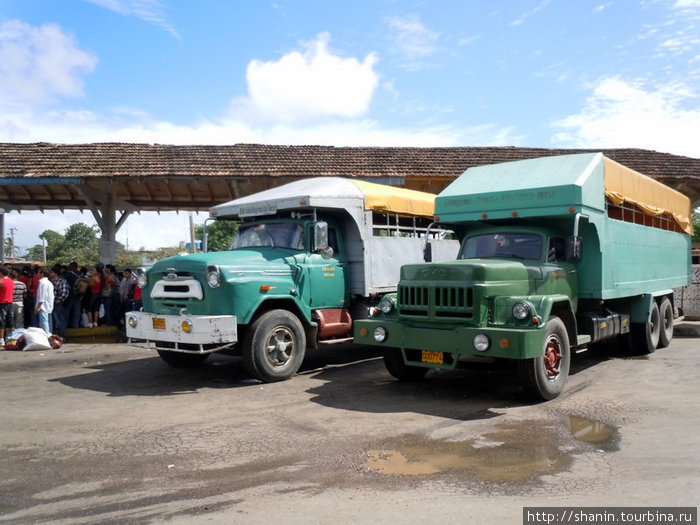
{"type": "Point", "coordinates": [336, 341]}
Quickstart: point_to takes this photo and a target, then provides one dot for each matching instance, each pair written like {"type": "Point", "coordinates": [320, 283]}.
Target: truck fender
{"type": "Point", "coordinates": [310, 327]}
{"type": "Point", "coordinates": [559, 306]}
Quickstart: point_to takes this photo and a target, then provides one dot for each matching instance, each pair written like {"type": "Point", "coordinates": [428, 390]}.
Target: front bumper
{"type": "Point", "coordinates": [455, 341]}
{"type": "Point", "coordinates": [208, 333]}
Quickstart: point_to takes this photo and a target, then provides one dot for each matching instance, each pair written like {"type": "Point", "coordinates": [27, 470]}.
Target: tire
{"type": "Point", "coordinates": [645, 336]}
{"type": "Point", "coordinates": [665, 323]}
{"type": "Point", "coordinates": [543, 378]}
{"type": "Point", "coordinates": [274, 346]}
{"type": "Point", "coordinates": [393, 360]}
{"type": "Point", "coordinates": [180, 360]}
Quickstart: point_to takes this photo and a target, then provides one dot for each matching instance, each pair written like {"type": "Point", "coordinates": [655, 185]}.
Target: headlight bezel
{"type": "Point", "coordinates": [521, 311]}
{"type": "Point", "coordinates": [386, 305]}
{"type": "Point", "coordinates": [141, 278]}
{"type": "Point", "coordinates": [213, 276]}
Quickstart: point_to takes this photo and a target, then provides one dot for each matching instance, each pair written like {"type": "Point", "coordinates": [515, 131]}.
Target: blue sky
{"type": "Point", "coordinates": [541, 73]}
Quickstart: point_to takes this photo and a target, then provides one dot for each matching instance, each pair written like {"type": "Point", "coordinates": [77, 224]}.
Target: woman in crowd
{"type": "Point", "coordinates": [95, 281]}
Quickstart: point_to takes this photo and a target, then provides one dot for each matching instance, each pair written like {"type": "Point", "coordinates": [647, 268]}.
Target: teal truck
{"type": "Point", "coordinates": [557, 253]}
{"type": "Point", "coordinates": [309, 258]}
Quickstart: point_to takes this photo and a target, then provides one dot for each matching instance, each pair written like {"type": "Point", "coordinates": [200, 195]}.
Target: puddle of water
{"type": "Point", "coordinates": [594, 432]}
{"type": "Point", "coordinates": [517, 453]}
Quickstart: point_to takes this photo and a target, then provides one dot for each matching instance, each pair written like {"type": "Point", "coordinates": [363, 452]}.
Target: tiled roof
{"type": "Point", "coordinates": [243, 168]}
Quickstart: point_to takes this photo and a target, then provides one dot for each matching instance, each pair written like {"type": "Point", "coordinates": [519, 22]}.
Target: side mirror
{"type": "Point", "coordinates": [574, 247]}
{"type": "Point", "coordinates": [321, 240]}
{"type": "Point", "coordinates": [428, 252]}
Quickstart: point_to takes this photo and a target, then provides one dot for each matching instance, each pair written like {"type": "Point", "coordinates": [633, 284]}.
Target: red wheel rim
{"type": "Point", "coordinates": [552, 357]}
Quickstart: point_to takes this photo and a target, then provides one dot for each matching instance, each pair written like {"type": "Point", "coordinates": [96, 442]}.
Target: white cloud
{"type": "Point", "coordinates": [308, 85]}
{"type": "Point", "coordinates": [685, 4]}
{"type": "Point", "coordinates": [39, 63]}
{"type": "Point", "coordinates": [521, 19]}
{"type": "Point", "coordinates": [147, 10]}
{"type": "Point", "coordinates": [620, 113]}
{"type": "Point", "coordinates": [411, 38]}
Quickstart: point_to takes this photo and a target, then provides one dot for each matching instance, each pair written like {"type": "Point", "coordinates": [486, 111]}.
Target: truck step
{"type": "Point", "coordinates": [336, 341]}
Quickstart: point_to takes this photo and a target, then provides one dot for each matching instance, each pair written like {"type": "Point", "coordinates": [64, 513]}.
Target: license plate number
{"type": "Point", "coordinates": [159, 323]}
{"type": "Point", "coordinates": [428, 356]}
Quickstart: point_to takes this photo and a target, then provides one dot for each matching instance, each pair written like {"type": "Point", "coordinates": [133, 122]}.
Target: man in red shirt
{"type": "Point", "coordinates": [7, 317]}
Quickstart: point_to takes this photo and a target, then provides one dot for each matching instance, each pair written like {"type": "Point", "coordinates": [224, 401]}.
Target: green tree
{"type": "Point", "coordinates": [696, 226]}
{"type": "Point", "coordinates": [220, 235]}
{"type": "Point", "coordinates": [54, 242]}
{"type": "Point", "coordinates": [80, 245]}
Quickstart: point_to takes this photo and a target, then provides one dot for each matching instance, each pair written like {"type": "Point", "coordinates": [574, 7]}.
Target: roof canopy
{"type": "Point", "coordinates": [330, 192]}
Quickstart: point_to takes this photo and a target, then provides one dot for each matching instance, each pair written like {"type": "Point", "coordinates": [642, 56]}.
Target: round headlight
{"type": "Point", "coordinates": [133, 321]}
{"type": "Point", "coordinates": [521, 311]}
{"type": "Point", "coordinates": [186, 326]}
{"type": "Point", "coordinates": [214, 278]}
{"type": "Point", "coordinates": [386, 305]}
{"type": "Point", "coordinates": [482, 342]}
{"type": "Point", "coordinates": [379, 334]}
{"type": "Point", "coordinates": [142, 280]}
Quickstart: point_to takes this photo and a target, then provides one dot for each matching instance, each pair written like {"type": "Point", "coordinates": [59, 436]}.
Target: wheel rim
{"type": "Point", "coordinates": [279, 346]}
{"type": "Point", "coordinates": [552, 357]}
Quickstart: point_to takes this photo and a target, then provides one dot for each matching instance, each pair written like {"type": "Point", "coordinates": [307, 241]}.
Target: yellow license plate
{"type": "Point", "coordinates": [158, 323]}
{"type": "Point", "coordinates": [428, 356]}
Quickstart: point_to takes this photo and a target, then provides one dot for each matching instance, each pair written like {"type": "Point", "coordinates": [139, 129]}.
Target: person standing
{"type": "Point", "coordinates": [72, 305]}
{"type": "Point", "coordinates": [61, 291]}
{"type": "Point", "coordinates": [126, 294]}
{"type": "Point", "coordinates": [7, 318]}
{"type": "Point", "coordinates": [95, 294]}
{"type": "Point", "coordinates": [44, 301]}
{"type": "Point", "coordinates": [19, 295]}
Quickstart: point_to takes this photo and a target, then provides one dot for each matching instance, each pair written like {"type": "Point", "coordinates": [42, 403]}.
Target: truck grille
{"type": "Point", "coordinates": [436, 301]}
{"type": "Point", "coordinates": [177, 287]}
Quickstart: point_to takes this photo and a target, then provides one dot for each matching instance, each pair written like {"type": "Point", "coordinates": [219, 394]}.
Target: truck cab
{"type": "Point", "coordinates": [309, 258]}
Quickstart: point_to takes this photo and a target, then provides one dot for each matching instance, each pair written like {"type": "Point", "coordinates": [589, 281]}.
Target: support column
{"type": "Point", "coordinates": [105, 214]}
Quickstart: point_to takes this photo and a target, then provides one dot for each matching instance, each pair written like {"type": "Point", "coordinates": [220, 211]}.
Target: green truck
{"type": "Point", "coordinates": [309, 258]}
{"type": "Point", "coordinates": [557, 253]}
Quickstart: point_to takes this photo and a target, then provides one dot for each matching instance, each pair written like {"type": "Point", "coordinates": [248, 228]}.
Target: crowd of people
{"type": "Point", "coordinates": [63, 297]}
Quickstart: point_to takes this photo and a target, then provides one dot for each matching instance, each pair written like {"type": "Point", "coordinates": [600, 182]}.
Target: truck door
{"type": "Point", "coordinates": [327, 276]}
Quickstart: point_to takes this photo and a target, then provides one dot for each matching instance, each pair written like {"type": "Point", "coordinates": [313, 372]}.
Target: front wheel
{"type": "Point", "coordinates": [393, 360]}
{"type": "Point", "coordinates": [274, 346]}
{"type": "Point", "coordinates": [544, 377]}
{"type": "Point", "coordinates": [181, 360]}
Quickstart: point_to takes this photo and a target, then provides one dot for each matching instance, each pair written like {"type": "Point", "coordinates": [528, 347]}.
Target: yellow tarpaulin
{"type": "Point", "coordinates": [624, 185]}
{"type": "Point", "coordinates": [397, 200]}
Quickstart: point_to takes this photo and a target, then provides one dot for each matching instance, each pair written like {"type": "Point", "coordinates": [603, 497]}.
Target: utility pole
{"type": "Point", "coordinates": [194, 246]}
{"type": "Point", "coordinates": [13, 251]}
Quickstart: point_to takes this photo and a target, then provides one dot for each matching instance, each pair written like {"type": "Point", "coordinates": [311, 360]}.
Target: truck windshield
{"type": "Point", "coordinates": [274, 235]}
{"type": "Point", "coordinates": [509, 245]}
